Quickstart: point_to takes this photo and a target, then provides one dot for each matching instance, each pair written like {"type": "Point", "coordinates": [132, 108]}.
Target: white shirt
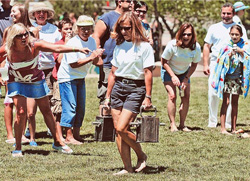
{"type": "Point", "coordinates": [180, 58]}
{"type": "Point", "coordinates": [218, 36]}
{"type": "Point", "coordinates": [46, 59]}
{"type": "Point", "coordinates": [66, 72]}
{"type": "Point", "coordinates": [131, 59]}
{"type": "Point", "coordinates": [237, 19]}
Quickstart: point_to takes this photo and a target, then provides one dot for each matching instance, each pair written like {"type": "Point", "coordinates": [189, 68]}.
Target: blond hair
{"type": "Point", "coordinates": [14, 30]}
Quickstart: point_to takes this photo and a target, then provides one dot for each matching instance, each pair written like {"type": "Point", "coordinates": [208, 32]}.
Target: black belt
{"type": "Point", "coordinates": [130, 81]}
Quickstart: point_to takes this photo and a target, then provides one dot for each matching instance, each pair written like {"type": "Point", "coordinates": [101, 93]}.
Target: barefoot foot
{"type": "Point", "coordinates": [72, 141]}
{"type": "Point", "coordinates": [173, 128]}
{"type": "Point", "coordinates": [122, 172]}
{"type": "Point", "coordinates": [141, 164]}
{"type": "Point", "coordinates": [225, 132]}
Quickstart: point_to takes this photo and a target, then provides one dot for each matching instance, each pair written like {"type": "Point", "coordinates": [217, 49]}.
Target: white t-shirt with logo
{"type": "Point", "coordinates": [180, 58]}
{"type": "Point", "coordinates": [66, 72]}
{"type": "Point", "coordinates": [131, 59]}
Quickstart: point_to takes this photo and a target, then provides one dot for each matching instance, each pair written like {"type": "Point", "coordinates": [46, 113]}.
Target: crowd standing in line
{"type": "Point", "coordinates": [27, 80]}
{"type": "Point", "coordinates": [126, 62]}
{"type": "Point", "coordinates": [176, 72]}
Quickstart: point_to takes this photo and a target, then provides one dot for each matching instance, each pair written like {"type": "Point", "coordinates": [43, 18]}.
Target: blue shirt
{"type": "Point", "coordinates": [107, 42]}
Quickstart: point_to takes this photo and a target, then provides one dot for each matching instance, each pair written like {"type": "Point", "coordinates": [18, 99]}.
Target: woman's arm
{"type": "Point", "coordinates": [44, 46]}
{"type": "Point", "coordinates": [174, 78]}
{"type": "Point", "coordinates": [111, 83]}
{"type": "Point", "coordinates": [95, 55]}
{"type": "Point", "coordinates": [148, 73]}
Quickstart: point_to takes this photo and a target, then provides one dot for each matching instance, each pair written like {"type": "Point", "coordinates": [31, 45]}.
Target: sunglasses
{"type": "Point", "coordinates": [83, 29]}
{"type": "Point", "coordinates": [20, 36]}
{"type": "Point", "coordinates": [187, 34]}
{"type": "Point", "coordinates": [128, 1]}
{"type": "Point", "coordinates": [40, 12]}
{"type": "Point", "coordinates": [141, 11]}
{"type": "Point", "coordinates": [125, 28]}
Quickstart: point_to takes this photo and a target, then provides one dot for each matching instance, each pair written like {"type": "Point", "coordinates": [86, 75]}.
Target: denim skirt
{"type": "Point", "coordinates": [34, 90]}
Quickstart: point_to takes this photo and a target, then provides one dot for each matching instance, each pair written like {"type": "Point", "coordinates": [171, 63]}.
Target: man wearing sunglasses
{"type": "Point", "coordinates": [217, 36]}
{"type": "Point", "coordinates": [103, 28]}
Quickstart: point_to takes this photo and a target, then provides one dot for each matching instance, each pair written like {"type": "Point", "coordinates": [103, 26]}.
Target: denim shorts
{"type": "Point", "coordinates": [36, 90]}
{"type": "Point", "coordinates": [73, 95]}
{"type": "Point", "coordinates": [128, 94]}
{"type": "Point", "coordinates": [165, 77]}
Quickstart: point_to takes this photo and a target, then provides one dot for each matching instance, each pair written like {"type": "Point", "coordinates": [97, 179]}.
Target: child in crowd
{"type": "Point", "coordinates": [65, 27]}
{"type": "Point", "coordinates": [232, 73]}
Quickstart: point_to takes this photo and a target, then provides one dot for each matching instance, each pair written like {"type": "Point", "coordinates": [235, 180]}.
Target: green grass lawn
{"type": "Point", "coordinates": [203, 154]}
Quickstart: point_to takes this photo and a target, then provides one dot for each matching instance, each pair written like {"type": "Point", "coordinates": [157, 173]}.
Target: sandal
{"type": "Point", "coordinates": [17, 153]}
{"type": "Point", "coordinates": [10, 141]}
{"type": "Point", "coordinates": [64, 149]}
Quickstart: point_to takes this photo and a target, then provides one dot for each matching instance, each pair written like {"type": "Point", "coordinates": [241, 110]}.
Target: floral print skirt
{"type": "Point", "coordinates": [233, 86]}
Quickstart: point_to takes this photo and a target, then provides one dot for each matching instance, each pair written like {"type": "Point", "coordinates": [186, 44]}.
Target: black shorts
{"type": "Point", "coordinates": [128, 94]}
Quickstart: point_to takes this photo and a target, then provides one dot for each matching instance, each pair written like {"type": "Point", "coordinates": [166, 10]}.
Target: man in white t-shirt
{"type": "Point", "coordinates": [217, 36]}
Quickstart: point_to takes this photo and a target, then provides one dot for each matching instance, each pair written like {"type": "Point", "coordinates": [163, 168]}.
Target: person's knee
{"type": "Point", "coordinates": [120, 129]}
{"type": "Point", "coordinates": [21, 112]}
{"type": "Point", "coordinates": [31, 116]}
{"type": "Point", "coordinates": [172, 97]}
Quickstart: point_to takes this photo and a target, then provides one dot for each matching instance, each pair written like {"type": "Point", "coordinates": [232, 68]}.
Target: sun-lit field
{"type": "Point", "coordinates": [203, 154]}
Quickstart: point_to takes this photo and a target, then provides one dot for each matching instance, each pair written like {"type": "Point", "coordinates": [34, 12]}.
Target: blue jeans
{"type": "Point", "coordinates": [73, 95]}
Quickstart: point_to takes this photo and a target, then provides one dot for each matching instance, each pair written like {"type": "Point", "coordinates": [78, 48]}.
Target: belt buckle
{"type": "Point", "coordinates": [125, 81]}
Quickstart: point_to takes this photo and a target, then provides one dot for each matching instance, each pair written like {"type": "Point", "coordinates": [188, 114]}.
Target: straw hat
{"type": "Point", "coordinates": [84, 20]}
{"type": "Point", "coordinates": [40, 6]}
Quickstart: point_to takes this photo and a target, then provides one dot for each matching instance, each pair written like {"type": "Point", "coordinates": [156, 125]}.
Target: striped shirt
{"type": "Point", "coordinates": [5, 20]}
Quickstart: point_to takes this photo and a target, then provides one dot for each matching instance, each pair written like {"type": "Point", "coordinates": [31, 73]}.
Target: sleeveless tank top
{"type": "Point", "coordinates": [25, 72]}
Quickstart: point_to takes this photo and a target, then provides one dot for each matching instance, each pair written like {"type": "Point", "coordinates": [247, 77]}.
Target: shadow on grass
{"type": "Point", "coordinates": [147, 170]}
{"type": "Point", "coordinates": [154, 170]}
{"type": "Point", "coordinates": [38, 152]}
{"type": "Point", "coordinates": [196, 128]}
{"type": "Point", "coordinates": [42, 134]}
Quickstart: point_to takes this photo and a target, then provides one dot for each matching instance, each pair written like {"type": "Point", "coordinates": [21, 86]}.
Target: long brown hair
{"type": "Point", "coordinates": [179, 36]}
{"type": "Point", "coordinates": [24, 15]}
{"type": "Point", "coordinates": [137, 34]}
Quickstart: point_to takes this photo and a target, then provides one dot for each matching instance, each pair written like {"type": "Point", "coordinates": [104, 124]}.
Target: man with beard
{"type": "Point", "coordinates": [217, 36]}
{"type": "Point", "coordinates": [103, 28]}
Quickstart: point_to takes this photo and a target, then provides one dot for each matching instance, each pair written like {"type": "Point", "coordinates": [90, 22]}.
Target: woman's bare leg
{"type": "Point", "coordinates": [21, 117]}
{"type": "Point", "coordinates": [171, 105]}
{"type": "Point", "coordinates": [184, 106]}
{"type": "Point", "coordinates": [31, 112]}
{"type": "Point", "coordinates": [44, 107]}
{"type": "Point", "coordinates": [8, 119]}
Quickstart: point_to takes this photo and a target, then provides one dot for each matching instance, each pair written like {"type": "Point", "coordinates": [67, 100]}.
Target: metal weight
{"type": "Point", "coordinates": [147, 127]}
{"type": "Point", "coordinates": [104, 128]}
